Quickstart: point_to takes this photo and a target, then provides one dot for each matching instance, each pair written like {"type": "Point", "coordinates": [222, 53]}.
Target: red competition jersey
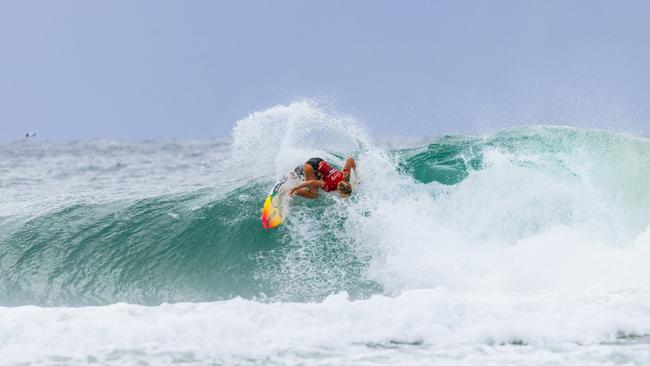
{"type": "Point", "coordinates": [331, 176]}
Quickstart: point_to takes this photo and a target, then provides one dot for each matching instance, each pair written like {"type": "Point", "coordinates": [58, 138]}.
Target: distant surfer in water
{"type": "Point", "coordinates": [319, 174]}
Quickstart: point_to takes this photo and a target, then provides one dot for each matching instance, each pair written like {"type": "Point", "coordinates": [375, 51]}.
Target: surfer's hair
{"type": "Point", "coordinates": [344, 188]}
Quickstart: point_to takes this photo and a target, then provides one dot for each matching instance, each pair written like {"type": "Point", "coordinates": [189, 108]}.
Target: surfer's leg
{"type": "Point", "coordinates": [311, 192]}
{"type": "Point", "coordinates": [309, 172]}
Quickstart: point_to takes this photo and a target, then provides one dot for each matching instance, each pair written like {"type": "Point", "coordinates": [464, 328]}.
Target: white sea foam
{"type": "Point", "coordinates": [436, 325]}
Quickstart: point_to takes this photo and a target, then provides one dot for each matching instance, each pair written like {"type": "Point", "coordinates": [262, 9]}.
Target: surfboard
{"type": "Point", "coordinates": [274, 209]}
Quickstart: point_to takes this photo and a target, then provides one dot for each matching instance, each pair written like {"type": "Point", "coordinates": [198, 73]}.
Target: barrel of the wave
{"type": "Point", "coordinates": [274, 209]}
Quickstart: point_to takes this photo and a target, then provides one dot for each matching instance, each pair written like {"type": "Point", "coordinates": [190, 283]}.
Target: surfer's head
{"type": "Point", "coordinates": [344, 188]}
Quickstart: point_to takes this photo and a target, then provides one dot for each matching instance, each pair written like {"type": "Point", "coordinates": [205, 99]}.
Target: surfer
{"type": "Point", "coordinates": [319, 174]}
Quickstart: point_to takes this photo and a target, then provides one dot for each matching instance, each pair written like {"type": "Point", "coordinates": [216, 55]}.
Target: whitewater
{"type": "Point", "coordinates": [522, 246]}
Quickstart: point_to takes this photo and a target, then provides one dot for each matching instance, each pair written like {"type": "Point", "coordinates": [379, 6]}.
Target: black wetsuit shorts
{"type": "Point", "coordinates": [314, 162]}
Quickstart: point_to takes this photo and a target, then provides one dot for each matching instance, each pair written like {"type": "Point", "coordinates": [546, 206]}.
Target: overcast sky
{"type": "Point", "coordinates": [139, 69]}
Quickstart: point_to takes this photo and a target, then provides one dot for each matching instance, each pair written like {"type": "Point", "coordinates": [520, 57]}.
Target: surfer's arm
{"type": "Point", "coordinates": [350, 164]}
{"type": "Point", "coordinates": [308, 192]}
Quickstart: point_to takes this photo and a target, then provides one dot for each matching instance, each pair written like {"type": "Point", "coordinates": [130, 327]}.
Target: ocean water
{"type": "Point", "coordinates": [525, 246]}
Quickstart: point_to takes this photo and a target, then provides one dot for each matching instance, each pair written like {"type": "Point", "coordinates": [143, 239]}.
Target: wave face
{"type": "Point", "coordinates": [524, 209]}
{"type": "Point", "coordinates": [520, 237]}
